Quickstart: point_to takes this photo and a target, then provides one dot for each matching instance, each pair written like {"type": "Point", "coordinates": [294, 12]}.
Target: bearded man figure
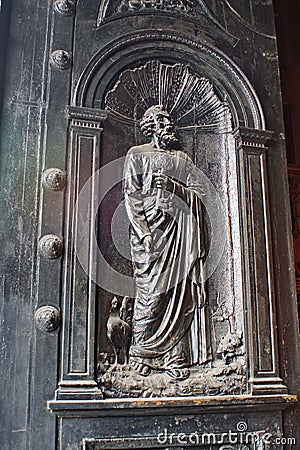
{"type": "Point", "coordinates": [163, 203]}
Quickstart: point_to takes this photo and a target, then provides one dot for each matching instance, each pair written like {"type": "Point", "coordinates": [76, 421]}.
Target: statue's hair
{"type": "Point", "coordinates": [147, 123]}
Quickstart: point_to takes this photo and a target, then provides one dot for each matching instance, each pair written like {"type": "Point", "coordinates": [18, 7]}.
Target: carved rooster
{"type": "Point", "coordinates": [118, 332]}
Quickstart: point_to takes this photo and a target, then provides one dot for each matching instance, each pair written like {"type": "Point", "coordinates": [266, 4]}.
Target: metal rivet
{"type": "Point", "coordinates": [47, 318]}
{"type": "Point", "coordinates": [54, 179]}
{"type": "Point", "coordinates": [64, 7]}
{"type": "Point", "coordinates": [51, 246]}
{"type": "Point", "coordinates": [61, 59]}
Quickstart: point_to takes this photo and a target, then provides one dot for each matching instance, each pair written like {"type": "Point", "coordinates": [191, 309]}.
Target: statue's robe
{"type": "Point", "coordinates": [169, 319]}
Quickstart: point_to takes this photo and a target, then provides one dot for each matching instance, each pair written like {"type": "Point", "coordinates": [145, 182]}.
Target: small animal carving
{"type": "Point", "coordinates": [229, 346]}
{"type": "Point", "coordinates": [119, 333]}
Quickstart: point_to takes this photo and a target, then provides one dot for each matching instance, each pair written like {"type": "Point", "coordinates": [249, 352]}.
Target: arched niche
{"type": "Point", "coordinates": [235, 162]}
{"type": "Point", "coordinates": [171, 47]}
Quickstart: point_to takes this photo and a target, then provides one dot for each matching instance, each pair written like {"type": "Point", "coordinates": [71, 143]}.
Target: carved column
{"type": "Point", "coordinates": [259, 291]}
{"type": "Point", "coordinates": [78, 331]}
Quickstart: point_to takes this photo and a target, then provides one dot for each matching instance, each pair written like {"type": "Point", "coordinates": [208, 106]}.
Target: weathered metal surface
{"type": "Point", "coordinates": [52, 117]}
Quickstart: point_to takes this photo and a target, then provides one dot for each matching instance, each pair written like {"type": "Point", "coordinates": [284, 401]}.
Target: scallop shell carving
{"type": "Point", "coordinates": [189, 99]}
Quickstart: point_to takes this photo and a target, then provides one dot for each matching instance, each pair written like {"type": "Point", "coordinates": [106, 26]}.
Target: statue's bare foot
{"type": "Point", "coordinates": [178, 374]}
{"type": "Point", "coordinates": [140, 368]}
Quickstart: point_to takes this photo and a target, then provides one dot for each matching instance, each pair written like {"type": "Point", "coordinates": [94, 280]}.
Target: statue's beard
{"type": "Point", "coordinates": [167, 139]}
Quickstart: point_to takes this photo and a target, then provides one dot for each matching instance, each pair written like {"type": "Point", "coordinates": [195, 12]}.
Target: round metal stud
{"type": "Point", "coordinates": [61, 59]}
{"type": "Point", "coordinates": [51, 246]}
{"type": "Point", "coordinates": [47, 318]}
{"type": "Point", "coordinates": [54, 179]}
{"type": "Point", "coordinates": [64, 7]}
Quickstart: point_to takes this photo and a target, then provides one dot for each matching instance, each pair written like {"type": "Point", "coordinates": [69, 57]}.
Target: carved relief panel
{"type": "Point", "coordinates": [169, 282]}
{"type": "Point", "coordinates": [156, 279]}
{"type": "Point", "coordinates": [170, 298]}
{"type": "Point", "coordinates": [214, 330]}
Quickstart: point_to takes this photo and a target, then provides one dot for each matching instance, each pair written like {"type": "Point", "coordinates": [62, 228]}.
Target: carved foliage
{"type": "Point", "coordinates": [190, 99]}
{"type": "Point", "coordinates": [109, 8]}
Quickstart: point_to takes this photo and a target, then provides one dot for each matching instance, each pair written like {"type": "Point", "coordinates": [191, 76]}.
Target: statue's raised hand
{"type": "Point", "coordinates": [162, 181]}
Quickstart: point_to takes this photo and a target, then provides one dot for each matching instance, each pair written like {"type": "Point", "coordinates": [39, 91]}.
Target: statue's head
{"type": "Point", "coordinates": [157, 122]}
{"type": "Point", "coordinates": [115, 303]}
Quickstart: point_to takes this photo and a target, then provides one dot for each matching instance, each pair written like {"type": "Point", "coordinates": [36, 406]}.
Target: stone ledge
{"type": "Point", "coordinates": [175, 405]}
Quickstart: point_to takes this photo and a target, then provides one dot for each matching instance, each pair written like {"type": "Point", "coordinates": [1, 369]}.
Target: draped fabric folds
{"type": "Point", "coordinates": [169, 319]}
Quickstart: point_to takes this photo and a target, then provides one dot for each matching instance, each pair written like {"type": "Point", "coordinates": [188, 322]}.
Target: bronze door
{"type": "Point", "coordinates": [148, 290]}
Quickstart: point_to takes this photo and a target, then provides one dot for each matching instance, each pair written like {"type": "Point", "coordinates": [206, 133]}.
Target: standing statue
{"type": "Point", "coordinates": [162, 199]}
